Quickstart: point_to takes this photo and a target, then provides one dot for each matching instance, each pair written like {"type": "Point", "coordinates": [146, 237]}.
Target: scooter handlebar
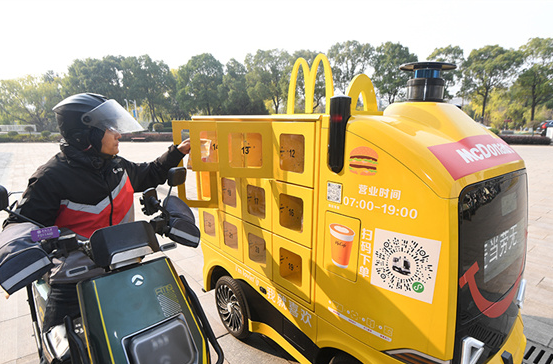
{"type": "Point", "coordinates": [181, 227]}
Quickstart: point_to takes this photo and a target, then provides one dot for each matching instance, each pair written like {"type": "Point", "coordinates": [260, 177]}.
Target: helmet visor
{"type": "Point", "coordinates": [111, 116]}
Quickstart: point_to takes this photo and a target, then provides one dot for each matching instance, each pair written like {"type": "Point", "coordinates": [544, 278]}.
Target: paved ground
{"type": "Point", "coordinates": [19, 161]}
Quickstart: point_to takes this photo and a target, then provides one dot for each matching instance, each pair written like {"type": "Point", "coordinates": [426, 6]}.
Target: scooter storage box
{"type": "Point", "coordinates": [125, 311]}
{"type": "Point", "coordinates": [22, 261]}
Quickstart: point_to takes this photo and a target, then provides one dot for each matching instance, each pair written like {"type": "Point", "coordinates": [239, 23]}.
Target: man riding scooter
{"type": "Point", "coordinates": [86, 187]}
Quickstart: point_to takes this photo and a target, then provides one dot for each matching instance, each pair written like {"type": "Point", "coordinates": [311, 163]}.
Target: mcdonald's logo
{"type": "Point", "coordinates": [360, 86]}
{"type": "Point", "coordinates": [310, 76]}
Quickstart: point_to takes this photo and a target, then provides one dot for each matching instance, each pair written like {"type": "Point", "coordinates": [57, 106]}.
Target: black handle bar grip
{"type": "Point", "coordinates": [181, 225]}
{"type": "Point", "coordinates": [178, 208]}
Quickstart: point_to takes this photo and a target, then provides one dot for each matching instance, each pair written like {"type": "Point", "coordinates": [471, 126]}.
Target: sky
{"type": "Point", "coordinates": [41, 35]}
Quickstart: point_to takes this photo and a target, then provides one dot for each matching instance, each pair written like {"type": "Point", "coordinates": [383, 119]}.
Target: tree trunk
{"type": "Point", "coordinates": [533, 102]}
{"type": "Point", "coordinates": [484, 101]}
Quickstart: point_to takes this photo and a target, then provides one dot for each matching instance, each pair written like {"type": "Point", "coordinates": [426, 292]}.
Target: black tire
{"type": "Point", "coordinates": [232, 307]}
{"type": "Point", "coordinates": [343, 358]}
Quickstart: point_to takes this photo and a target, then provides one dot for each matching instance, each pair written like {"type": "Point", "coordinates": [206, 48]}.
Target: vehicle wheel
{"type": "Point", "coordinates": [343, 358]}
{"type": "Point", "coordinates": [232, 307]}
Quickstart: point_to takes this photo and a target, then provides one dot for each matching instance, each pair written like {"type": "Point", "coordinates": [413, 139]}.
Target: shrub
{"type": "Point", "coordinates": [14, 137]}
{"type": "Point", "coordinates": [523, 139]}
{"type": "Point", "coordinates": [158, 127]}
{"type": "Point", "coordinates": [495, 131]}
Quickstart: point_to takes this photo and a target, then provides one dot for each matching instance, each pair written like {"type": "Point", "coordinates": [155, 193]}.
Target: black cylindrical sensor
{"type": "Point", "coordinates": [427, 84]}
{"type": "Point", "coordinates": [340, 111]}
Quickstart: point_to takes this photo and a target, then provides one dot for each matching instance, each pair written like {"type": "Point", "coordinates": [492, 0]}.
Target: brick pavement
{"type": "Point", "coordinates": [538, 306]}
{"type": "Point", "coordinates": [19, 161]}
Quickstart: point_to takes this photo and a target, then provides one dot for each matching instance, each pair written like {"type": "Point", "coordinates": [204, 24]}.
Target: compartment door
{"type": "Point", "coordinates": [295, 160]}
{"type": "Point", "coordinates": [245, 149]}
{"type": "Point", "coordinates": [200, 189]}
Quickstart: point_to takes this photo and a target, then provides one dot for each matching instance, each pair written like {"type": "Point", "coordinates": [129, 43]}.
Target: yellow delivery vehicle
{"type": "Point", "coordinates": [356, 235]}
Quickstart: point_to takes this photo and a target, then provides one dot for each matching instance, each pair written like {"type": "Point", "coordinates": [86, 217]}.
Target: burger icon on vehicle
{"type": "Point", "coordinates": [363, 161]}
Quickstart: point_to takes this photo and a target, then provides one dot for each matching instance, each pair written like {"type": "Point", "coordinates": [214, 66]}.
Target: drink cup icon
{"type": "Point", "coordinates": [341, 241]}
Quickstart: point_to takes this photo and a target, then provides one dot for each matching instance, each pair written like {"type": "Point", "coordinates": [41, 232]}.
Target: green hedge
{"type": "Point", "coordinates": [26, 138]}
{"type": "Point", "coordinates": [49, 137]}
{"type": "Point", "coordinates": [526, 139]}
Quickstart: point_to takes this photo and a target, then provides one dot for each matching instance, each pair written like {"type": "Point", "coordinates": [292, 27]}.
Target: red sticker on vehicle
{"type": "Point", "coordinates": [473, 154]}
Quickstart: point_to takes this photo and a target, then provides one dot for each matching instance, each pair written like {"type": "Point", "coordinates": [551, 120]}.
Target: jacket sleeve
{"type": "Point", "coordinates": [147, 175]}
{"type": "Point", "coordinates": [40, 201]}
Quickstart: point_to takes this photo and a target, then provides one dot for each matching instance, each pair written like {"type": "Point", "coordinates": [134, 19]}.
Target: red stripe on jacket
{"type": "Point", "coordinates": [72, 216]}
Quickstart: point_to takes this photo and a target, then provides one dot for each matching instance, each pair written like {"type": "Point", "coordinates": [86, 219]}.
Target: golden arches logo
{"type": "Point", "coordinates": [361, 85]}
{"type": "Point", "coordinates": [310, 76]}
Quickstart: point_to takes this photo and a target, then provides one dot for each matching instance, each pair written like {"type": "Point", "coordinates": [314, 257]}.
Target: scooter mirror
{"type": "Point", "coordinates": [176, 176]}
{"type": "Point", "coordinates": [4, 202]}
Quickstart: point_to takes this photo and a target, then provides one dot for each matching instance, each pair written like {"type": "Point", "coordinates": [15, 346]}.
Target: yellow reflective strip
{"type": "Point", "coordinates": [85, 328]}
{"type": "Point", "coordinates": [103, 323]}
{"type": "Point", "coordinates": [180, 285]}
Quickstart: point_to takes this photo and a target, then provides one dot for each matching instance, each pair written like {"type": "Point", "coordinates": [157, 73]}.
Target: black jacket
{"type": "Point", "coordinates": [83, 192]}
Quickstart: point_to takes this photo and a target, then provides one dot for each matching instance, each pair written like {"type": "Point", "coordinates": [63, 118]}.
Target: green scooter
{"type": "Point", "coordinates": [138, 311]}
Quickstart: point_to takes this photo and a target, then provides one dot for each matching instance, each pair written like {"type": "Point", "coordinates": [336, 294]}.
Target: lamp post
{"type": "Point", "coordinates": [135, 111]}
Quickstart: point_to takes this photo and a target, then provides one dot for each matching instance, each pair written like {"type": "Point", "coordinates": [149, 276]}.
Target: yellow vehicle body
{"type": "Point", "coordinates": [366, 260]}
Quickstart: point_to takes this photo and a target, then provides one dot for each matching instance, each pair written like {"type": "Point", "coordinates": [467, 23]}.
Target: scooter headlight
{"type": "Point", "coordinates": [57, 341]}
{"type": "Point", "coordinates": [171, 341]}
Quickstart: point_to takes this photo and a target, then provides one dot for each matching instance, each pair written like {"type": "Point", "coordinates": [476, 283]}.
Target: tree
{"type": "Point", "coordinates": [505, 110]}
{"type": "Point", "coordinates": [388, 79]}
{"type": "Point", "coordinates": [198, 85]}
{"type": "Point", "coordinates": [29, 100]}
{"type": "Point", "coordinates": [488, 68]}
{"type": "Point", "coordinates": [96, 76]}
{"type": "Point", "coordinates": [175, 111]}
{"type": "Point", "coordinates": [148, 82]}
{"type": "Point", "coordinates": [234, 92]}
{"type": "Point", "coordinates": [267, 77]}
{"type": "Point", "coordinates": [348, 59]}
{"type": "Point", "coordinates": [450, 54]}
{"type": "Point", "coordinates": [535, 83]}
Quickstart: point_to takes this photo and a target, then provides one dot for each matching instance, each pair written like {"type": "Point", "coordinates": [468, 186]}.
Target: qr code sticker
{"type": "Point", "coordinates": [334, 192]}
{"type": "Point", "coordinates": [405, 264]}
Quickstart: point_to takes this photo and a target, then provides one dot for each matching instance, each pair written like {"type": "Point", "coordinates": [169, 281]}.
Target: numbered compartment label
{"type": "Point", "coordinates": [230, 235]}
{"type": "Point", "coordinates": [209, 224]}
{"type": "Point", "coordinates": [245, 150]}
{"type": "Point", "coordinates": [256, 200]}
{"type": "Point", "coordinates": [290, 266]}
{"type": "Point", "coordinates": [292, 152]}
{"type": "Point", "coordinates": [257, 249]}
{"type": "Point", "coordinates": [228, 193]}
{"type": "Point", "coordinates": [291, 212]}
